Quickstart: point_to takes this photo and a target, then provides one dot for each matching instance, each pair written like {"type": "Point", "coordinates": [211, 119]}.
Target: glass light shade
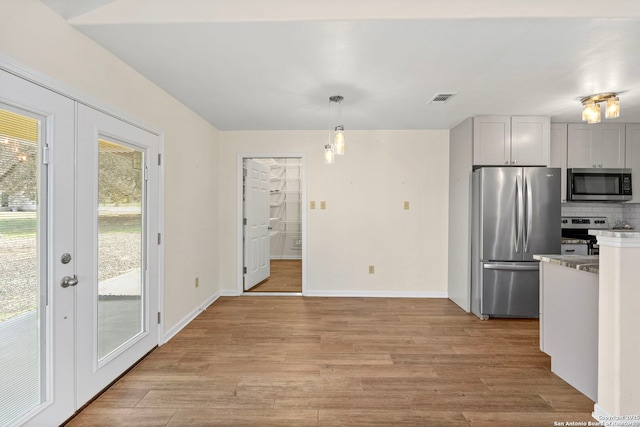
{"type": "Point", "coordinates": [339, 141]}
{"type": "Point", "coordinates": [585, 112]}
{"type": "Point", "coordinates": [329, 157]}
{"type": "Point", "coordinates": [612, 110]}
{"type": "Point", "coordinates": [594, 115]}
{"type": "Point", "coordinates": [591, 113]}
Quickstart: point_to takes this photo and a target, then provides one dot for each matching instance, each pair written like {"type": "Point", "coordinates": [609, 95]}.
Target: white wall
{"type": "Point", "coordinates": [36, 37]}
{"type": "Point", "coordinates": [364, 223]}
{"type": "Point", "coordinates": [460, 167]}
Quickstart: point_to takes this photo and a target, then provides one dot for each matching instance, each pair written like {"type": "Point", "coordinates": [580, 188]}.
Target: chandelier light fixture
{"type": "Point", "coordinates": [591, 107]}
{"type": "Point", "coordinates": [335, 147]}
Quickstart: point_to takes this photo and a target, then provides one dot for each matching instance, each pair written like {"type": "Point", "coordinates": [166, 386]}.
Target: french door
{"type": "Point", "coordinates": [79, 276]}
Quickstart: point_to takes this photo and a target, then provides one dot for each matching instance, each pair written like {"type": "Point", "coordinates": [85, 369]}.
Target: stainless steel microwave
{"type": "Point", "coordinates": [599, 185]}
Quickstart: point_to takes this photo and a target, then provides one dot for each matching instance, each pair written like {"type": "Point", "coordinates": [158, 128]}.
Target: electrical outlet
{"type": "Point", "coordinates": [371, 269]}
{"type": "Point", "coordinates": [312, 204]}
{"type": "Point", "coordinates": [197, 282]}
{"type": "Point", "coordinates": [406, 205]}
{"type": "Point", "coordinates": [323, 205]}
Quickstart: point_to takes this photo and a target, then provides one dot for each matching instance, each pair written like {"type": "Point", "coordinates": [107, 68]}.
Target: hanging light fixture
{"type": "Point", "coordinates": [338, 137]}
{"type": "Point", "coordinates": [329, 156]}
{"type": "Point", "coordinates": [339, 140]}
{"type": "Point", "coordinates": [591, 107]}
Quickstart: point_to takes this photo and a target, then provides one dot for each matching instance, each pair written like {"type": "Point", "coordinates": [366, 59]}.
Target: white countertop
{"type": "Point", "coordinates": [621, 233]}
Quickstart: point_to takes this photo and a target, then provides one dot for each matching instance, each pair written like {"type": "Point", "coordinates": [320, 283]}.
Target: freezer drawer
{"type": "Point", "coordinates": [510, 289]}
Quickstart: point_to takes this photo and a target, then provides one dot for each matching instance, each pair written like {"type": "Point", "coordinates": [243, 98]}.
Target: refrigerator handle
{"type": "Point", "coordinates": [519, 207]}
{"type": "Point", "coordinates": [531, 266]}
{"type": "Point", "coordinates": [529, 202]}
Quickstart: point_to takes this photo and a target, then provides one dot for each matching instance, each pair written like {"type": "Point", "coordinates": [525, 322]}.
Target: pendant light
{"type": "Point", "coordinates": [338, 140]}
{"type": "Point", "coordinates": [329, 156]}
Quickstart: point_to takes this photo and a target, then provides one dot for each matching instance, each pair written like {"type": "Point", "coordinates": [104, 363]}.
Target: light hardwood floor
{"type": "Point", "coordinates": [286, 276]}
{"type": "Point", "coordinates": [342, 361]}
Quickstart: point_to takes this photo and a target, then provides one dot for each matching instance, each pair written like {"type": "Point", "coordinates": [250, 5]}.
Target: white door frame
{"type": "Point", "coordinates": [239, 209]}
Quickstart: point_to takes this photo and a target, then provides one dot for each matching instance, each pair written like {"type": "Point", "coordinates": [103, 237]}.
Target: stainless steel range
{"type": "Point", "coordinates": [578, 228]}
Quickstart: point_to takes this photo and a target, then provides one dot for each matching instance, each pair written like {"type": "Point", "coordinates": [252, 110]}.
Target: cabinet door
{"type": "Point", "coordinates": [611, 145]}
{"type": "Point", "coordinates": [633, 159]}
{"type": "Point", "coordinates": [579, 146]}
{"type": "Point", "coordinates": [558, 155]}
{"type": "Point", "coordinates": [530, 140]}
{"type": "Point", "coordinates": [492, 140]}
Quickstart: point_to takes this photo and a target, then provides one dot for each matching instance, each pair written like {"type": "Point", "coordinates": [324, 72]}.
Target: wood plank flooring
{"type": "Point", "coordinates": [286, 276]}
{"type": "Point", "coordinates": [342, 361]}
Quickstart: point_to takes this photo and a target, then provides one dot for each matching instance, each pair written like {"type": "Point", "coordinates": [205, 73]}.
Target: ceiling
{"type": "Point", "coordinates": [272, 64]}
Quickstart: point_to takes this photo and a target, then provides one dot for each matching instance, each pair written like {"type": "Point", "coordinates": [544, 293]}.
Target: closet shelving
{"type": "Point", "coordinates": [285, 208]}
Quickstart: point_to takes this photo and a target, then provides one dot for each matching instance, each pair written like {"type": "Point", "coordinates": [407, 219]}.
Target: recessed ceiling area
{"type": "Point", "coordinates": [266, 65]}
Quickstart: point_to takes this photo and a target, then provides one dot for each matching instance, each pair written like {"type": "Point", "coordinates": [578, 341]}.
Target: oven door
{"type": "Point", "coordinates": [599, 185]}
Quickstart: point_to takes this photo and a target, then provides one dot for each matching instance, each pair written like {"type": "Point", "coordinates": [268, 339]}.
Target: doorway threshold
{"type": "Point", "coordinates": [273, 294]}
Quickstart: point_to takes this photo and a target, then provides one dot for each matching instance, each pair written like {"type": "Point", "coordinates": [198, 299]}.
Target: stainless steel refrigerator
{"type": "Point", "coordinates": [515, 214]}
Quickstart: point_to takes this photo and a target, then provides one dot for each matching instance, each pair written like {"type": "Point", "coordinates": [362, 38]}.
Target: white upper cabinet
{"type": "Point", "coordinates": [596, 146]}
{"type": "Point", "coordinates": [633, 159]}
{"type": "Point", "coordinates": [558, 158]}
{"type": "Point", "coordinates": [505, 140]}
{"type": "Point", "coordinates": [492, 140]}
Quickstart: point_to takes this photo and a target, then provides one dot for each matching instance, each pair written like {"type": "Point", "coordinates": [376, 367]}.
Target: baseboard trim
{"type": "Point", "coordinates": [230, 293]}
{"type": "Point", "coordinates": [602, 416]}
{"type": "Point", "coordinates": [376, 294]}
{"type": "Point", "coordinates": [189, 317]}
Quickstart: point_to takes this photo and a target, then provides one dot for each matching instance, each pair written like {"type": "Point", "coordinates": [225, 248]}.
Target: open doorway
{"type": "Point", "coordinates": [273, 225]}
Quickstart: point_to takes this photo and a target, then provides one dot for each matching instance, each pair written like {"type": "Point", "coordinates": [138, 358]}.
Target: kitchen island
{"type": "Point", "coordinates": [569, 318]}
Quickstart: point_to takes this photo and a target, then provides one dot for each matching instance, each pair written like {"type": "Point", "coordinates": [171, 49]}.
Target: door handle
{"type": "Point", "coordinates": [69, 281]}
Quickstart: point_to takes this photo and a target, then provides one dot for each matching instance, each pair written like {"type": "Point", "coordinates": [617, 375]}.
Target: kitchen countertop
{"type": "Point", "coordinates": [621, 233]}
{"type": "Point", "coordinates": [588, 263]}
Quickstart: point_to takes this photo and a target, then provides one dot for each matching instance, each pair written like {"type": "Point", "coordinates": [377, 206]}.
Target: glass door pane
{"type": "Point", "coordinates": [22, 269]}
{"type": "Point", "coordinates": [120, 249]}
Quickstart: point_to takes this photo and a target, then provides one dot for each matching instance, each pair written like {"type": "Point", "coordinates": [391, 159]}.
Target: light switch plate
{"type": "Point", "coordinates": [323, 205]}
{"type": "Point", "coordinates": [371, 269]}
{"type": "Point", "coordinates": [406, 205]}
{"type": "Point", "coordinates": [312, 204]}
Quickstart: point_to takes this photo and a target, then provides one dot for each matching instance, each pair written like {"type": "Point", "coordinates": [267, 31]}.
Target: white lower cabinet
{"type": "Point", "coordinates": [569, 325]}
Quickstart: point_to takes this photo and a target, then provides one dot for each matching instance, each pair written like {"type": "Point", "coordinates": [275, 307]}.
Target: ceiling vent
{"type": "Point", "coordinates": [441, 98]}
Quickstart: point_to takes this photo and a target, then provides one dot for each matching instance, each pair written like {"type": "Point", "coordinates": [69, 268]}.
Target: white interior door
{"type": "Point", "coordinates": [256, 228]}
{"type": "Point", "coordinates": [79, 268]}
{"type": "Point", "coordinates": [117, 260]}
